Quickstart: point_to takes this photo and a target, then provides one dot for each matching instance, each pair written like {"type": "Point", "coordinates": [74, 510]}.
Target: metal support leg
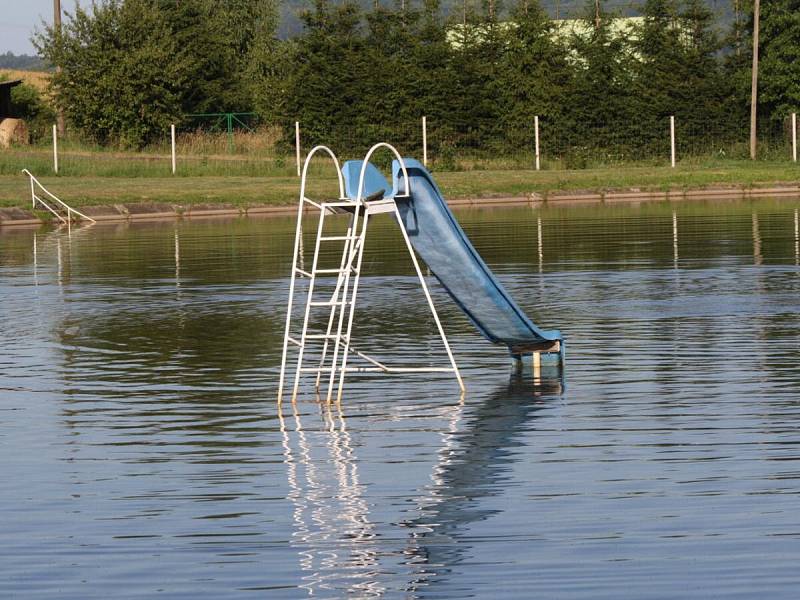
{"type": "Point", "coordinates": [430, 302]}
{"type": "Point", "coordinates": [298, 242]}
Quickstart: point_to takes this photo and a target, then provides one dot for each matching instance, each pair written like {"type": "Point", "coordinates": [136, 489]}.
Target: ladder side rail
{"type": "Point", "coordinates": [52, 210]}
{"type": "Point", "coordinates": [370, 152]}
{"type": "Point", "coordinates": [298, 250]}
{"type": "Point", "coordinates": [335, 297]}
{"type": "Point", "coordinates": [298, 241]}
{"type": "Point", "coordinates": [309, 297]}
{"type": "Point", "coordinates": [351, 312]}
{"type": "Point", "coordinates": [352, 307]}
{"type": "Point", "coordinates": [58, 200]}
{"type": "Point", "coordinates": [356, 249]}
{"type": "Point", "coordinates": [64, 205]}
{"type": "Point", "coordinates": [33, 189]}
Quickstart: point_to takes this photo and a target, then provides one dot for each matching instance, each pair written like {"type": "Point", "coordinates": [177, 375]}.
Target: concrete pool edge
{"type": "Point", "coordinates": [115, 213]}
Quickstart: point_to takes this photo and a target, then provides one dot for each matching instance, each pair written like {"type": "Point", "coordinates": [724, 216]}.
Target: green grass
{"type": "Point", "coordinates": [91, 176]}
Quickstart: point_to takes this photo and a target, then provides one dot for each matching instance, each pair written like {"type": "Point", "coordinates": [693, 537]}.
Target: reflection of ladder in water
{"type": "Point", "coordinates": [53, 204]}
{"type": "Point", "coordinates": [341, 303]}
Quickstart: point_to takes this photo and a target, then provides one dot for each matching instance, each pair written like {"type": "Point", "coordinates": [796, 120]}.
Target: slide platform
{"type": "Point", "coordinates": [439, 240]}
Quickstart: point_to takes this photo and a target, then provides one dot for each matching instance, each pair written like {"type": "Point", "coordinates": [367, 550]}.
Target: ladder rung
{"type": "Point", "coordinates": [294, 341]}
{"type": "Point", "coordinates": [325, 336]}
{"type": "Point", "coordinates": [337, 238]}
{"type": "Point", "coordinates": [329, 303]}
{"type": "Point", "coordinates": [306, 273]}
{"type": "Point", "coordinates": [334, 271]}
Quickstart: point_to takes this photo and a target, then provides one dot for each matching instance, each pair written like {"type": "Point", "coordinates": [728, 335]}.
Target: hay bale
{"type": "Point", "coordinates": [13, 131]}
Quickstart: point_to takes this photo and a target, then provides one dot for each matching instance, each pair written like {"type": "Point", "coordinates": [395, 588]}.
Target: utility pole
{"type": "Point", "coordinates": [754, 86]}
{"type": "Point", "coordinates": [597, 14]}
{"type": "Point", "coordinates": [57, 28]}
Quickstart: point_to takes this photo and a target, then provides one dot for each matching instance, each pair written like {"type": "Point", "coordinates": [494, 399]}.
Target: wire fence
{"type": "Point", "coordinates": [239, 144]}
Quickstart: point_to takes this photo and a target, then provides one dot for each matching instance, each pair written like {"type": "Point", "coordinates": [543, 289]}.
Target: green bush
{"type": "Point", "coordinates": [38, 114]}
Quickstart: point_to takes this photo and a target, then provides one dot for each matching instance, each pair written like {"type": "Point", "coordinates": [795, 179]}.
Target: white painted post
{"type": "Point", "coordinates": [425, 141]}
{"type": "Point", "coordinates": [536, 137]}
{"type": "Point", "coordinates": [794, 137]}
{"type": "Point", "coordinates": [55, 149]}
{"type": "Point", "coordinates": [172, 132]}
{"type": "Point", "coordinates": [297, 145]}
{"type": "Point", "coordinates": [672, 140]}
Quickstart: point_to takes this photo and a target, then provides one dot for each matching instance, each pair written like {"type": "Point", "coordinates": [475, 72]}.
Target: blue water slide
{"type": "Point", "coordinates": [442, 244]}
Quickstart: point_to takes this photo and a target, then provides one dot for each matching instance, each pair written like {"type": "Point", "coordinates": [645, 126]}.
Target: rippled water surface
{"type": "Point", "coordinates": [142, 451]}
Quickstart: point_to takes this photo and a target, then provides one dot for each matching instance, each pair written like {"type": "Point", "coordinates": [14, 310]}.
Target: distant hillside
{"type": "Point", "coordinates": [22, 62]}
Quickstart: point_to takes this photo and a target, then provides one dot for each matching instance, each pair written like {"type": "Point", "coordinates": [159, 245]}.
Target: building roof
{"type": "Point", "coordinates": [5, 97]}
{"type": "Point", "coordinates": [10, 84]}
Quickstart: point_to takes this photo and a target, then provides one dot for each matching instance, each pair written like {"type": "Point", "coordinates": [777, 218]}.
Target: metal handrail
{"type": "Point", "coordinates": [34, 199]}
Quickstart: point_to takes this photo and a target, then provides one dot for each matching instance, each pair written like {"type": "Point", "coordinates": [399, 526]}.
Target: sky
{"type": "Point", "coordinates": [18, 19]}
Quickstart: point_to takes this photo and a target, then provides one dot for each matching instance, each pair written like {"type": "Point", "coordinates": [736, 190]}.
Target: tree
{"type": "Point", "coordinates": [30, 105]}
{"type": "Point", "coordinates": [533, 74]}
{"type": "Point", "coordinates": [780, 59]}
{"type": "Point", "coordinates": [678, 71]}
{"type": "Point", "coordinates": [122, 73]}
{"type": "Point", "coordinates": [269, 64]}
{"type": "Point", "coordinates": [601, 108]}
{"type": "Point", "coordinates": [130, 68]}
{"type": "Point", "coordinates": [325, 88]}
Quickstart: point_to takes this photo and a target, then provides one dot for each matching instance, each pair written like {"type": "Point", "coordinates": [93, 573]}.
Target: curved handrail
{"type": "Point", "coordinates": [310, 155]}
{"type": "Point", "coordinates": [364, 164]}
{"type": "Point", "coordinates": [63, 204]}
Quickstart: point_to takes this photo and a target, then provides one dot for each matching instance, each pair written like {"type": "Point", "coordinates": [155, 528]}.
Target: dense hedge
{"type": "Point", "coordinates": [131, 67]}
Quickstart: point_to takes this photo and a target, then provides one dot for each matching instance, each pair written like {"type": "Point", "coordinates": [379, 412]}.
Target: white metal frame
{"type": "Point", "coordinates": [59, 203]}
{"type": "Point", "coordinates": [343, 299]}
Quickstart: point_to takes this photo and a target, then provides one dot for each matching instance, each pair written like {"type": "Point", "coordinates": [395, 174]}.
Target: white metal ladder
{"type": "Point", "coordinates": [53, 204]}
{"type": "Point", "coordinates": [336, 340]}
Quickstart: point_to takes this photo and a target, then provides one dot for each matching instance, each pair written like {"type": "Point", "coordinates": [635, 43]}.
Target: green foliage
{"type": "Point", "coordinates": [352, 78]}
{"type": "Point", "coordinates": [30, 105]}
{"type": "Point", "coordinates": [130, 68]}
{"type": "Point", "coordinates": [120, 80]}
{"type": "Point", "coordinates": [780, 57]}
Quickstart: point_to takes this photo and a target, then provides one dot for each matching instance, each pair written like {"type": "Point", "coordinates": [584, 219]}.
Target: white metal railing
{"type": "Point", "coordinates": [336, 341]}
{"type": "Point", "coordinates": [59, 204]}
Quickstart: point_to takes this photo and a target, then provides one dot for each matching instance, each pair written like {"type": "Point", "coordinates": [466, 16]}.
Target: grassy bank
{"type": "Point", "coordinates": [282, 188]}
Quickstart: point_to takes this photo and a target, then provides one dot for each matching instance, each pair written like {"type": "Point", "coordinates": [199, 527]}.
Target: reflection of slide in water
{"type": "Point", "coordinates": [333, 535]}
{"type": "Point", "coordinates": [475, 467]}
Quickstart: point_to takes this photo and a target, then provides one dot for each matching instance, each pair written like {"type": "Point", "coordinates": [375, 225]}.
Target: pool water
{"type": "Point", "coordinates": [143, 453]}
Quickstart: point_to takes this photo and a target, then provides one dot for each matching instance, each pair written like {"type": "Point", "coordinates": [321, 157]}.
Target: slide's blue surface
{"type": "Point", "coordinates": [445, 248]}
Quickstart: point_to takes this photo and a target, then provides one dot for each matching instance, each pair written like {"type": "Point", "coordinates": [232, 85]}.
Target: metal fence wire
{"type": "Point", "coordinates": [244, 144]}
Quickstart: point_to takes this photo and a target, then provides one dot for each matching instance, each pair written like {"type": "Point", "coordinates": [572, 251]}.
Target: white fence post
{"type": "Point", "coordinates": [172, 134]}
{"type": "Point", "coordinates": [794, 137]}
{"type": "Point", "coordinates": [297, 145]}
{"type": "Point", "coordinates": [424, 141]}
{"type": "Point", "coordinates": [672, 140]}
{"type": "Point", "coordinates": [536, 138]}
{"type": "Point", "coordinates": [55, 149]}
